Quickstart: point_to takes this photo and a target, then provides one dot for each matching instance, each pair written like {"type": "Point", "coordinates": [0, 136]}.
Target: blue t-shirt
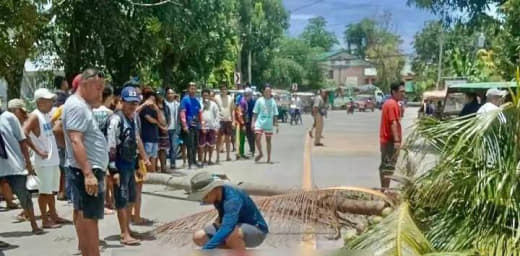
{"type": "Point", "coordinates": [149, 131]}
{"type": "Point", "coordinates": [192, 107]}
{"type": "Point", "coordinates": [236, 207]}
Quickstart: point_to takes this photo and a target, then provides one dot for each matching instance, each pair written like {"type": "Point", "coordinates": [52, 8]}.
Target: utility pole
{"type": "Point", "coordinates": [441, 46]}
{"type": "Point", "coordinates": [249, 58]}
{"type": "Point", "coordinates": [439, 66]}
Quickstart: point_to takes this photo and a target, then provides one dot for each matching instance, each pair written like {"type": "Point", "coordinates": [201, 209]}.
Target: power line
{"type": "Point", "coordinates": [306, 5]}
{"type": "Point", "coordinates": [154, 4]}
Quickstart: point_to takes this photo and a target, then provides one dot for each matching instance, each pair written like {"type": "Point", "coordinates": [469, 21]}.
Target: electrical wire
{"type": "Point", "coordinates": [154, 4]}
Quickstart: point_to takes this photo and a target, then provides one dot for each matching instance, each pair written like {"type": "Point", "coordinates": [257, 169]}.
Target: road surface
{"type": "Point", "coordinates": [350, 157]}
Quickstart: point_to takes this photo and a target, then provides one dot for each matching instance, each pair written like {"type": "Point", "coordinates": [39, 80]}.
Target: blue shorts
{"type": "Point", "coordinates": [151, 149]}
{"type": "Point", "coordinates": [125, 193]}
{"type": "Point", "coordinates": [93, 207]}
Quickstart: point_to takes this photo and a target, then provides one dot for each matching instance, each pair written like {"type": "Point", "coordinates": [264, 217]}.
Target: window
{"type": "Point", "coordinates": [331, 74]}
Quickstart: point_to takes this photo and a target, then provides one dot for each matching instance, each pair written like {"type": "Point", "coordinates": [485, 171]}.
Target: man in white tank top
{"type": "Point", "coordinates": [226, 108]}
{"type": "Point", "coordinates": [45, 156]}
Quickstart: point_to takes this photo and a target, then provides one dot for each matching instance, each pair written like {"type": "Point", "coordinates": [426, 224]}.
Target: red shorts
{"type": "Point", "coordinates": [209, 138]}
{"type": "Point", "coordinates": [261, 131]}
{"type": "Point", "coordinates": [226, 128]}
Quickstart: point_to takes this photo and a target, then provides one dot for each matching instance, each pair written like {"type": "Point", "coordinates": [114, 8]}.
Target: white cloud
{"type": "Point", "coordinates": [302, 16]}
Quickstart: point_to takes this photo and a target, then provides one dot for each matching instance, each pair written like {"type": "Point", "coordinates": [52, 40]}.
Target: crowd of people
{"type": "Point", "coordinates": [92, 145]}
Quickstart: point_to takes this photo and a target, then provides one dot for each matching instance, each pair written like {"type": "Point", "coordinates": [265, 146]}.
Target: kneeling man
{"type": "Point", "coordinates": [239, 224]}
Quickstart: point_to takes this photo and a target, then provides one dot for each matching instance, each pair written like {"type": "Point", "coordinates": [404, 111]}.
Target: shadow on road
{"type": "Point", "coordinates": [18, 234]}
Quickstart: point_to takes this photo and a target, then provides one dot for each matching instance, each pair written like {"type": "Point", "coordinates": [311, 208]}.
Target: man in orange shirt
{"type": "Point", "coordinates": [390, 134]}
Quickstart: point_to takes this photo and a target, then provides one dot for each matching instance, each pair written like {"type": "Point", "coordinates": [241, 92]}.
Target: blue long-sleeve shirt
{"type": "Point", "coordinates": [235, 207]}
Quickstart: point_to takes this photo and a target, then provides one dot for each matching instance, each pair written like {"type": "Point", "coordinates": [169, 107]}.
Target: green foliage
{"type": "Point", "coordinates": [470, 199]}
{"type": "Point", "coordinates": [20, 26]}
{"type": "Point", "coordinates": [396, 235]}
{"type": "Point", "coordinates": [261, 24]}
{"type": "Point", "coordinates": [295, 62]}
{"type": "Point", "coordinates": [315, 34]}
{"type": "Point", "coordinates": [449, 8]}
{"type": "Point", "coordinates": [360, 35]}
{"type": "Point", "coordinates": [381, 47]}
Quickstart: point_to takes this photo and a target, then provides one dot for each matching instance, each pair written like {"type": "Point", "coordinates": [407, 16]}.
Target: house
{"type": "Point", "coordinates": [345, 69]}
{"type": "Point", "coordinates": [36, 74]}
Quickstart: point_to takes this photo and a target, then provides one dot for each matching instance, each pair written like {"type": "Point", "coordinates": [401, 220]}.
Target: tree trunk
{"type": "Point", "coordinates": [249, 79]}
{"type": "Point", "coordinates": [362, 207]}
{"type": "Point", "coordinates": [166, 71]}
{"type": "Point", "coordinates": [14, 80]}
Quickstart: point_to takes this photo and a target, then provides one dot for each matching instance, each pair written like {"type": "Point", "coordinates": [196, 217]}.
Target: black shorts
{"type": "Point", "coordinates": [125, 193]}
{"type": "Point", "coordinates": [17, 184]}
{"type": "Point", "coordinates": [93, 207]}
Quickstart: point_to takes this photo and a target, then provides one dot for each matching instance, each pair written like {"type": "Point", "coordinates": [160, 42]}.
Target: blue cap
{"type": "Point", "coordinates": [129, 94]}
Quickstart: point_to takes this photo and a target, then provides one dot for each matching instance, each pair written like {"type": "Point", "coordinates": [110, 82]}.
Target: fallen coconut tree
{"type": "Point", "coordinates": [359, 200]}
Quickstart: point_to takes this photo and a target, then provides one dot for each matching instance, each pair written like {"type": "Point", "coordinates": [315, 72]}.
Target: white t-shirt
{"type": "Point", "coordinates": [210, 116]}
{"type": "Point", "coordinates": [174, 110]}
{"type": "Point", "coordinates": [490, 107]}
{"type": "Point", "coordinates": [225, 105]}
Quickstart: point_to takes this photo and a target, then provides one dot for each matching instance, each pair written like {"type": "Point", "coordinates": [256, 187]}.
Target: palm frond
{"type": "Point", "coordinates": [323, 212]}
{"type": "Point", "coordinates": [396, 235]}
{"type": "Point", "coordinates": [471, 198]}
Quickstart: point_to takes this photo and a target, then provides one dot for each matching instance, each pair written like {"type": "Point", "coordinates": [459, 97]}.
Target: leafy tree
{"type": "Point", "coordinates": [315, 34]}
{"type": "Point", "coordinates": [381, 47]}
{"type": "Point", "coordinates": [449, 8]}
{"type": "Point", "coordinates": [20, 28]}
{"type": "Point", "coordinates": [295, 62]}
{"type": "Point", "coordinates": [191, 39]}
{"type": "Point", "coordinates": [110, 35]}
{"type": "Point", "coordinates": [260, 24]}
{"type": "Point", "coordinates": [360, 35]}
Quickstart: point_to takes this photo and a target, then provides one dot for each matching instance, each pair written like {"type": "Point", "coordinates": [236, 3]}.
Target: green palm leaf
{"type": "Point", "coordinates": [471, 198]}
{"type": "Point", "coordinates": [396, 235]}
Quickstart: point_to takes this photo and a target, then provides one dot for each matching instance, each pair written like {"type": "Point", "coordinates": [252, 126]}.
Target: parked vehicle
{"type": "Point", "coordinates": [455, 95]}
{"type": "Point", "coordinates": [364, 102]}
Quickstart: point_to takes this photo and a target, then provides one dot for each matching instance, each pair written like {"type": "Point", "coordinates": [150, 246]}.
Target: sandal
{"type": "Point", "coordinates": [131, 242]}
{"type": "Point", "coordinates": [38, 231]}
{"type": "Point", "coordinates": [51, 226]}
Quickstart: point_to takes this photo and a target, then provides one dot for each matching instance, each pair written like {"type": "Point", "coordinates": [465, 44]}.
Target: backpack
{"type": "Point", "coordinates": [127, 147]}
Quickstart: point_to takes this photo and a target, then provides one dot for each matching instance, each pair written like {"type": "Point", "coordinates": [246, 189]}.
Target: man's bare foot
{"type": "Point", "coordinates": [257, 158]}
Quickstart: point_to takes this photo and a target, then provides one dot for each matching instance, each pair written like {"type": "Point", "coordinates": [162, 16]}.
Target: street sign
{"type": "Point", "coordinates": [294, 87]}
{"type": "Point", "coordinates": [238, 77]}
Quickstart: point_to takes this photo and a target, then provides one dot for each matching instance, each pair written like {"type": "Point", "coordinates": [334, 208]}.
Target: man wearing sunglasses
{"type": "Point", "coordinates": [87, 155]}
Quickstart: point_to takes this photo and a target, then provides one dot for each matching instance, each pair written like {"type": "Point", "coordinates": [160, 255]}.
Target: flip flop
{"type": "Point", "coordinates": [52, 226]}
{"type": "Point", "coordinates": [62, 221]}
{"type": "Point", "coordinates": [143, 222]}
{"type": "Point", "coordinates": [38, 231]}
{"type": "Point", "coordinates": [12, 206]}
{"type": "Point", "coordinates": [133, 242]}
{"type": "Point", "coordinates": [258, 158]}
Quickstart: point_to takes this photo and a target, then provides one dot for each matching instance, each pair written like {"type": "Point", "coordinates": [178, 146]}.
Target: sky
{"type": "Point", "coordinates": [406, 20]}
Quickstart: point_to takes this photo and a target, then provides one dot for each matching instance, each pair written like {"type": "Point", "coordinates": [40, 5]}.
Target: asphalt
{"type": "Point", "coordinates": [350, 157]}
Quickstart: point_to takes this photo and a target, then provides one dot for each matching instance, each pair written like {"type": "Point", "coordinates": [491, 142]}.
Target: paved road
{"type": "Point", "coordinates": [351, 157]}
